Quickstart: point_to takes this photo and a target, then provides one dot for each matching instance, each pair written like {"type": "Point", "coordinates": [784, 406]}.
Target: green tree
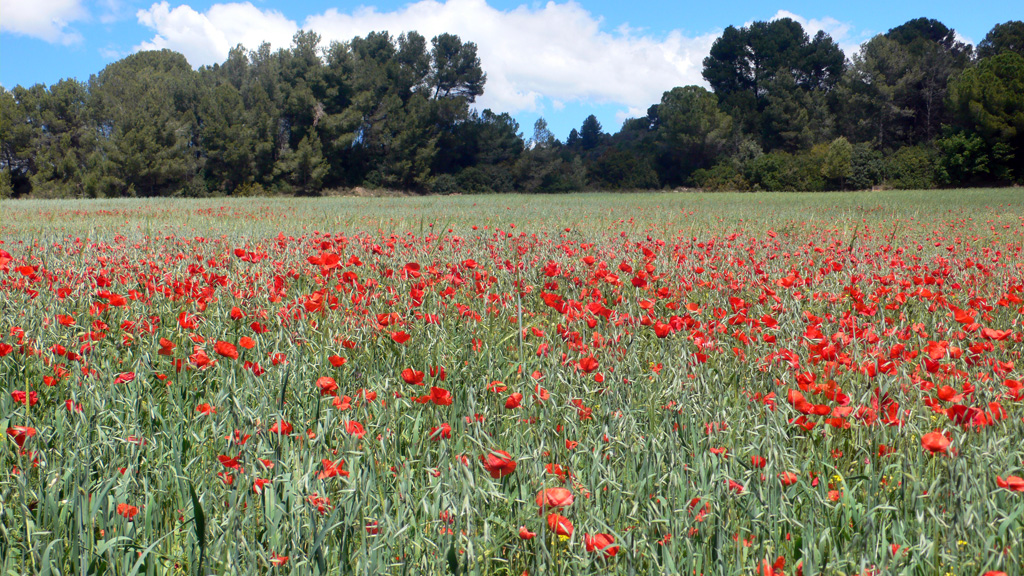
{"type": "Point", "coordinates": [874, 94]}
{"type": "Point", "coordinates": [793, 118]}
{"type": "Point", "coordinates": [692, 132]}
{"type": "Point", "coordinates": [837, 164]}
{"type": "Point", "coordinates": [145, 106]}
{"type": "Point", "coordinates": [227, 137]}
{"type": "Point", "coordinates": [590, 133]}
{"type": "Point", "coordinates": [455, 68]}
{"type": "Point", "coordinates": [935, 55]}
{"type": "Point", "coordinates": [988, 100]}
{"type": "Point", "coordinates": [304, 168]}
{"type": "Point", "coordinates": [1005, 37]}
{"type": "Point", "coordinates": [18, 131]}
{"type": "Point", "coordinates": [744, 63]}
{"type": "Point", "coordinates": [542, 137]}
{"type": "Point", "coordinates": [66, 141]}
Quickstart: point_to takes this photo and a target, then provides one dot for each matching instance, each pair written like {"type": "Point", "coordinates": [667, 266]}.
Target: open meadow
{"type": "Point", "coordinates": [717, 384]}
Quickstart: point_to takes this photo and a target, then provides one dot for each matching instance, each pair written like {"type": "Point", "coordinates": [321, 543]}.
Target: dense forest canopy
{"type": "Point", "coordinates": [913, 107]}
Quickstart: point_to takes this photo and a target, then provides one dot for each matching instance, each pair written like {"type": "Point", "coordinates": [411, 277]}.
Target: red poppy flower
{"type": "Point", "coordinates": [525, 534]}
{"type": "Point", "coordinates": [199, 358]}
{"type": "Point", "coordinates": [127, 511]}
{"type": "Point", "coordinates": [439, 432]}
{"type": "Point", "coordinates": [1012, 483]}
{"type": "Point", "coordinates": [541, 395]}
{"type": "Point", "coordinates": [278, 560]}
{"type": "Point", "coordinates": [20, 397]}
{"type": "Point", "coordinates": [499, 463]}
{"type": "Point", "coordinates": [206, 409]}
{"type": "Point", "coordinates": [554, 498]}
{"type": "Point", "coordinates": [229, 462]}
{"type": "Point", "coordinates": [281, 427]}
{"type": "Point", "coordinates": [935, 442]}
{"type": "Point", "coordinates": [327, 386]}
{"type": "Point", "coordinates": [400, 337]}
{"type": "Point", "coordinates": [513, 401]}
{"type": "Point", "coordinates": [787, 478]}
{"type": "Point", "coordinates": [440, 396]}
{"type": "Point", "coordinates": [166, 347]}
{"type": "Point", "coordinates": [758, 461]}
{"type": "Point", "coordinates": [124, 377]}
{"type": "Point", "coordinates": [20, 434]}
{"type": "Point", "coordinates": [355, 429]}
{"type": "Point", "coordinates": [600, 542]}
{"type": "Point", "coordinates": [412, 376]}
{"type": "Point", "coordinates": [226, 349]}
{"type": "Point", "coordinates": [337, 361]}
{"type": "Point", "coordinates": [258, 484]}
{"type": "Point", "coordinates": [560, 525]}
{"type": "Point", "coordinates": [775, 569]}
{"type": "Point", "coordinates": [588, 364]}
{"type": "Point", "coordinates": [332, 469]}
{"type": "Point", "coordinates": [246, 342]}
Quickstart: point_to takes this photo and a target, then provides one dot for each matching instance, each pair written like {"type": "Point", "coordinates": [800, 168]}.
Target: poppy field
{"type": "Point", "coordinates": [596, 384]}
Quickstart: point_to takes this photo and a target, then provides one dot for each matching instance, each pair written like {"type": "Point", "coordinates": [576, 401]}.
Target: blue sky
{"type": "Point", "coordinates": [560, 60]}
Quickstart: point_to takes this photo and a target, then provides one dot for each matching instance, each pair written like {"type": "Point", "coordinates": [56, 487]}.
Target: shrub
{"type": "Point", "coordinates": [911, 167]}
{"type": "Point", "coordinates": [720, 177]}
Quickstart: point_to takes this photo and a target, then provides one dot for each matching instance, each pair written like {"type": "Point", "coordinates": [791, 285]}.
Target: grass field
{"type": "Point", "coordinates": [629, 384]}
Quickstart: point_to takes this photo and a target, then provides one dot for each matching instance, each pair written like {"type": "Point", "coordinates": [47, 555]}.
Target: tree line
{"type": "Point", "coordinates": [913, 108]}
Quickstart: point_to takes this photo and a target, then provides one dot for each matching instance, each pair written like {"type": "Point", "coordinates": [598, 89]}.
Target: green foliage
{"type": "Point", "coordinates": [692, 132]}
{"type": "Point", "coordinates": [966, 158]}
{"type": "Point", "coordinates": [618, 169]}
{"type": "Point", "coordinates": [304, 168]}
{"type": "Point", "coordinates": [443, 184]}
{"type": "Point", "coordinates": [910, 168]}
{"type": "Point", "coordinates": [746, 65]}
{"type": "Point", "coordinates": [249, 190]}
{"type": "Point", "coordinates": [6, 190]}
{"type": "Point", "coordinates": [721, 177]}
{"type": "Point", "coordinates": [894, 93]}
{"type": "Point", "coordinates": [1005, 37]}
{"type": "Point", "coordinates": [837, 164]}
{"type": "Point", "coordinates": [866, 167]}
{"type": "Point", "coordinates": [963, 158]}
{"type": "Point", "coordinates": [455, 68]}
{"type": "Point", "coordinates": [394, 111]}
{"type": "Point", "coordinates": [146, 104]}
{"type": "Point", "coordinates": [227, 138]}
{"type": "Point", "coordinates": [590, 133]}
{"type": "Point", "coordinates": [988, 100]}
{"type": "Point", "coordinates": [781, 171]}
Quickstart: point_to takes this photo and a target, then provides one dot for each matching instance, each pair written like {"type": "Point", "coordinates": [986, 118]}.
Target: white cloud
{"type": "Point", "coordinates": [554, 52]}
{"type": "Point", "coordinates": [533, 55]}
{"type": "Point", "coordinates": [537, 56]}
{"type": "Point", "coordinates": [961, 38]}
{"type": "Point", "coordinates": [113, 10]}
{"type": "Point", "coordinates": [44, 19]}
{"type": "Point", "coordinates": [205, 38]}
